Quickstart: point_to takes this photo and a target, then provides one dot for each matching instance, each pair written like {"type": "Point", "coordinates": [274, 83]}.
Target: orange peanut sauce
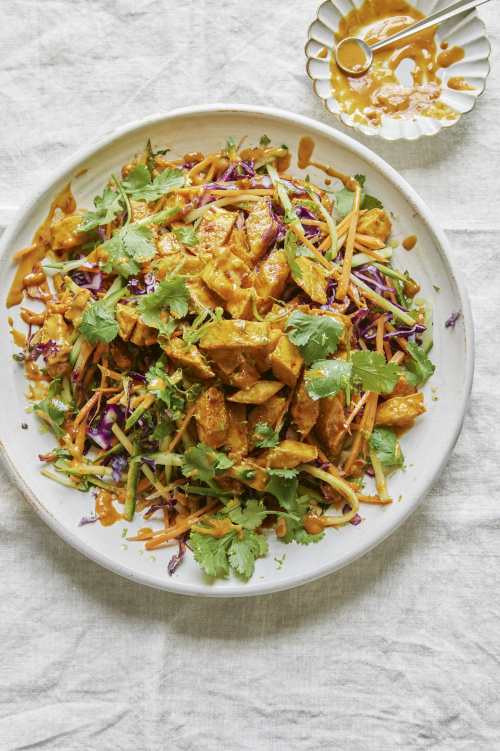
{"type": "Point", "coordinates": [409, 242]}
{"type": "Point", "coordinates": [403, 80]}
{"type": "Point", "coordinates": [305, 151]}
{"type": "Point", "coordinates": [105, 509]}
{"type": "Point", "coordinates": [457, 83]}
{"type": "Point", "coordinates": [29, 257]}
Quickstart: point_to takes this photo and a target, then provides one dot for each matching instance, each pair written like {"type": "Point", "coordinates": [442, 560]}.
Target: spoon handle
{"type": "Point", "coordinates": [435, 18]}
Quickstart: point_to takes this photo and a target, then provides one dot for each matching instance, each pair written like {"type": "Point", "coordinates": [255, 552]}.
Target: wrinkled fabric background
{"type": "Point", "coordinates": [398, 651]}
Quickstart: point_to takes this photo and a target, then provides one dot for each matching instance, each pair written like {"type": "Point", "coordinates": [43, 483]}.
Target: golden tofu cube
{"type": "Point", "coordinates": [312, 279]}
{"type": "Point", "coordinates": [304, 411]}
{"type": "Point", "coordinates": [236, 334]}
{"type": "Point", "coordinates": [168, 243]}
{"type": "Point", "coordinates": [143, 336]}
{"type": "Point", "coordinates": [261, 229]}
{"type": "Point", "coordinates": [225, 275]}
{"type": "Point", "coordinates": [200, 296]}
{"type": "Point", "coordinates": [330, 424]}
{"type": "Point", "coordinates": [212, 418]}
{"type": "Point", "coordinates": [64, 233]}
{"type": "Point", "coordinates": [214, 229]}
{"type": "Point", "coordinates": [127, 317]}
{"type": "Point", "coordinates": [245, 375]}
{"type": "Point", "coordinates": [271, 276]}
{"type": "Point", "coordinates": [400, 411]}
{"type": "Point", "coordinates": [241, 306]}
{"type": "Point", "coordinates": [286, 361]}
{"type": "Point", "coordinates": [237, 434]}
{"type": "Point", "coordinates": [289, 454]}
{"type": "Point", "coordinates": [55, 328]}
{"type": "Point", "coordinates": [188, 356]}
{"type": "Point", "coordinates": [259, 393]}
{"type": "Point", "coordinates": [79, 301]}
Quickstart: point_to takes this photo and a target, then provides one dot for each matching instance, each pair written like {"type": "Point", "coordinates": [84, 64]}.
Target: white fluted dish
{"type": "Point", "coordinates": [465, 30]}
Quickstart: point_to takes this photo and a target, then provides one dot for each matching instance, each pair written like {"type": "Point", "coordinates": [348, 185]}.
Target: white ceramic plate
{"type": "Point", "coordinates": [465, 30]}
{"type": "Point", "coordinates": [426, 447]}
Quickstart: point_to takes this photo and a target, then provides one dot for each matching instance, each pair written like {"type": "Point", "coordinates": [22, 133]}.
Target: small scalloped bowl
{"type": "Point", "coordinates": [466, 31]}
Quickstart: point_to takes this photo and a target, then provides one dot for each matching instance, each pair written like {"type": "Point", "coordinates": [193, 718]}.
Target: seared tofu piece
{"type": "Point", "coordinates": [244, 375]}
{"type": "Point", "coordinates": [127, 318]}
{"type": "Point", "coordinates": [286, 361]}
{"type": "Point", "coordinates": [225, 275]}
{"type": "Point", "coordinates": [261, 229]}
{"type": "Point", "coordinates": [139, 210]}
{"type": "Point", "coordinates": [212, 418]}
{"type": "Point", "coordinates": [259, 393]}
{"type": "Point", "coordinates": [403, 387]}
{"type": "Point", "coordinates": [201, 296]}
{"type": "Point", "coordinates": [132, 329]}
{"type": "Point", "coordinates": [64, 233]}
{"type": "Point", "coordinates": [262, 358]}
{"type": "Point", "coordinates": [330, 424]}
{"type": "Point", "coordinates": [236, 334]}
{"type": "Point", "coordinates": [144, 336]}
{"type": "Point", "coordinates": [312, 279]}
{"type": "Point", "coordinates": [168, 243]}
{"type": "Point", "coordinates": [238, 244]}
{"type": "Point", "coordinates": [400, 411]}
{"type": "Point", "coordinates": [79, 300]}
{"type": "Point", "coordinates": [214, 230]}
{"type": "Point", "coordinates": [289, 454]}
{"type": "Point", "coordinates": [54, 328]}
{"type": "Point", "coordinates": [241, 306]}
{"type": "Point", "coordinates": [375, 222]}
{"type": "Point", "coordinates": [237, 434]}
{"type": "Point", "coordinates": [189, 356]}
{"type": "Point", "coordinates": [271, 276]}
{"type": "Point", "coordinates": [304, 411]}
{"type": "Point", "coordinates": [269, 413]}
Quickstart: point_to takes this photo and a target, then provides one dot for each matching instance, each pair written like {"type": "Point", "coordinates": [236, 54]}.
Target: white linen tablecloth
{"type": "Point", "coordinates": [398, 651]}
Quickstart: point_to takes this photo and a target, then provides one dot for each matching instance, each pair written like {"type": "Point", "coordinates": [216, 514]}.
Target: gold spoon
{"type": "Point", "coordinates": [354, 56]}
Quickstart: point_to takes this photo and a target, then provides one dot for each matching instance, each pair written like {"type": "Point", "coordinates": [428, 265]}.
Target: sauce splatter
{"type": "Point", "coordinates": [409, 242]}
{"type": "Point", "coordinates": [105, 509]}
{"type": "Point", "coordinates": [457, 83]}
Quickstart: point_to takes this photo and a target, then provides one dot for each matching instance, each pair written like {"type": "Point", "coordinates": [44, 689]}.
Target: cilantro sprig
{"type": "Point", "coordinates": [236, 551]}
{"type": "Point", "coordinates": [385, 443]}
{"type": "Point", "coordinates": [265, 437]}
{"type": "Point", "coordinates": [315, 336]}
{"type": "Point", "coordinates": [107, 207]}
{"type": "Point", "coordinates": [141, 187]}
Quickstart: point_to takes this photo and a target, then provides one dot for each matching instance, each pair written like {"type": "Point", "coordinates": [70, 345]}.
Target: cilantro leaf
{"type": "Point", "coordinates": [283, 485]}
{"type": "Point", "coordinates": [344, 199]}
{"type": "Point", "coordinates": [373, 373]}
{"type": "Point", "coordinates": [187, 236]}
{"type": "Point", "coordinates": [166, 390]}
{"type": "Point", "coordinates": [244, 551]}
{"type": "Point", "coordinates": [107, 207]}
{"type": "Point", "coordinates": [140, 187]}
{"type": "Point", "coordinates": [53, 408]}
{"type": "Point", "coordinates": [315, 336]}
{"type": "Point", "coordinates": [217, 556]}
{"type": "Point", "coordinates": [385, 443]}
{"type": "Point", "coordinates": [267, 438]}
{"type": "Point", "coordinates": [327, 378]}
{"type": "Point", "coordinates": [98, 323]}
{"type": "Point", "coordinates": [171, 294]}
{"type": "Point", "coordinates": [204, 463]}
{"type": "Point", "coordinates": [306, 538]}
{"type": "Point", "coordinates": [420, 365]}
{"type": "Point", "coordinates": [249, 517]}
{"type": "Point", "coordinates": [264, 141]}
{"type": "Point", "coordinates": [127, 249]}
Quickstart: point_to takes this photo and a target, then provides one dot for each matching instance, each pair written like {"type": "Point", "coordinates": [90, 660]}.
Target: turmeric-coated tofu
{"type": "Point", "coordinates": [330, 424]}
{"type": "Point", "coordinates": [212, 418]}
{"type": "Point", "coordinates": [132, 329]}
{"type": "Point", "coordinates": [64, 233]}
{"type": "Point", "coordinates": [304, 411]}
{"type": "Point", "coordinates": [259, 393]}
{"type": "Point", "coordinates": [286, 361]}
{"type": "Point", "coordinates": [268, 413]}
{"type": "Point", "coordinates": [400, 411]}
{"type": "Point", "coordinates": [289, 454]}
{"type": "Point", "coordinates": [236, 334]}
{"type": "Point", "coordinates": [271, 276]}
{"type": "Point", "coordinates": [188, 356]}
{"type": "Point", "coordinates": [200, 296]}
{"type": "Point", "coordinates": [237, 434]}
{"type": "Point", "coordinates": [168, 243]}
{"type": "Point", "coordinates": [261, 228]}
{"type": "Point", "coordinates": [244, 375]}
{"type": "Point", "coordinates": [403, 387]}
{"type": "Point", "coordinates": [312, 279]}
{"type": "Point", "coordinates": [375, 222]}
{"type": "Point", "coordinates": [143, 335]}
{"type": "Point", "coordinates": [225, 274]}
{"type": "Point", "coordinates": [214, 230]}
{"type": "Point", "coordinates": [79, 300]}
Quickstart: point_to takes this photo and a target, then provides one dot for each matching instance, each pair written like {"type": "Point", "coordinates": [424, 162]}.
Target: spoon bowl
{"type": "Point", "coordinates": [353, 56]}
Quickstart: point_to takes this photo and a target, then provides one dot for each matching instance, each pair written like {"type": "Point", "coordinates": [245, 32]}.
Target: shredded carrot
{"type": "Point", "coordinates": [349, 249]}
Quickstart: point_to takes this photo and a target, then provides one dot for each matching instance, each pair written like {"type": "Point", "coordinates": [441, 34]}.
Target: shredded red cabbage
{"type": "Point", "coordinates": [452, 320]}
{"type": "Point", "coordinates": [89, 519]}
{"type": "Point", "coordinates": [118, 465]}
{"type": "Point", "coordinates": [371, 276]}
{"type": "Point", "coordinates": [102, 433]}
{"type": "Point", "coordinates": [43, 349]}
{"type": "Point", "coordinates": [238, 170]}
{"type": "Point", "coordinates": [356, 519]}
{"type": "Point", "coordinates": [177, 559]}
{"type": "Point", "coordinates": [84, 279]}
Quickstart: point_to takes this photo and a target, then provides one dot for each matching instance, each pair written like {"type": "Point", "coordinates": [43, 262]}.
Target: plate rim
{"type": "Point", "coordinates": [443, 247]}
